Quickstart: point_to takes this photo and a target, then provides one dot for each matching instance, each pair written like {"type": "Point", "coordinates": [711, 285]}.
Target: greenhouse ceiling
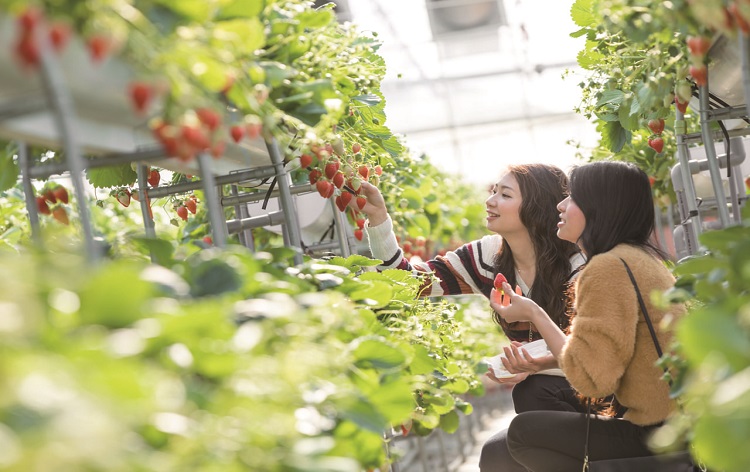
{"type": "Point", "coordinates": [478, 83]}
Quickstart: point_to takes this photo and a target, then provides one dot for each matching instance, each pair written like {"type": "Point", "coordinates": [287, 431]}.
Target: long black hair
{"type": "Point", "coordinates": [616, 199]}
{"type": "Point", "coordinates": [542, 186]}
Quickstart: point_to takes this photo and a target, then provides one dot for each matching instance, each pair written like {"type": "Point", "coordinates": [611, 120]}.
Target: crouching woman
{"type": "Point", "coordinates": [609, 350]}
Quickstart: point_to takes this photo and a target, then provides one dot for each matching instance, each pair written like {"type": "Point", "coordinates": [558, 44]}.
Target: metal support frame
{"type": "Point", "coordinates": [744, 41]}
{"type": "Point", "coordinates": [713, 165]}
{"type": "Point", "coordinates": [215, 210]}
{"type": "Point", "coordinates": [64, 116]}
{"type": "Point", "coordinates": [291, 223]}
{"type": "Point", "coordinates": [148, 221]}
{"type": "Point", "coordinates": [28, 190]}
{"type": "Point", "coordinates": [269, 219]}
{"type": "Point", "coordinates": [338, 222]}
{"type": "Point", "coordinates": [692, 220]}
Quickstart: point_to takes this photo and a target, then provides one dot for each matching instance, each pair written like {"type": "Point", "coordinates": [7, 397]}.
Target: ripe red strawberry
{"type": "Point", "coordinates": [59, 34]}
{"type": "Point", "coordinates": [60, 193]}
{"type": "Point", "coordinates": [322, 187]}
{"type": "Point", "coordinates": [331, 168]}
{"type": "Point", "coordinates": [356, 147]}
{"type": "Point", "coordinates": [656, 126]}
{"type": "Point", "coordinates": [154, 176]}
{"type": "Point", "coordinates": [191, 205]}
{"type": "Point", "coordinates": [699, 74]}
{"type": "Point", "coordinates": [361, 222]}
{"type": "Point", "coordinates": [48, 194]}
{"type": "Point", "coordinates": [208, 240]}
{"type": "Point", "coordinates": [182, 212]}
{"type": "Point", "coordinates": [27, 50]}
{"type": "Point", "coordinates": [346, 197]}
{"type": "Point", "coordinates": [123, 196]}
{"type": "Point", "coordinates": [407, 246]}
{"type": "Point", "coordinates": [140, 94]}
{"type": "Point", "coordinates": [499, 281]}
{"type": "Point", "coordinates": [420, 241]}
{"type": "Point", "coordinates": [361, 202]}
{"type": "Point", "coordinates": [237, 132]}
{"type": "Point", "coordinates": [41, 205]}
{"type": "Point", "coordinates": [305, 160]}
{"type": "Point", "coordinates": [651, 180]}
{"type": "Point", "coordinates": [359, 234]}
{"type": "Point", "coordinates": [29, 18]}
{"type": "Point", "coordinates": [682, 106]}
{"type": "Point", "coordinates": [314, 176]}
{"type": "Point", "coordinates": [210, 118]}
{"type": "Point", "coordinates": [698, 45]}
{"type": "Point", "coordinates": [364, 171]}
{"type": "Point", "coordinates": [195, 137]}
{"type": "Point", "coordinates": [98, 46]}
{"type": "Point", "coordinates": [60, 214]}
{"type": "Point", "coordinates": [340, 202]}
{"type": "Point", "coordinates": [657, 144]}
{"type": "Point", "coordinates": [378, 170]}
{"type": "Point", "coordinates": [338, 180]}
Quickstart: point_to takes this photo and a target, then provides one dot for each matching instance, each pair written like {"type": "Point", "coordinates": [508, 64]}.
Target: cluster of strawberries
{"type": "Point", "coordinates": [190, 204]}
{"type": "Point", "coordinates": [199, 130]}
{"type": "Point", "coordinates": [33, 27]}
{"type": "Point", "coordinates": [335, 174]}
{"type": "Point", "coordinates": [414, 247]}
{"type": "Point", "coordinates": [52, 201]}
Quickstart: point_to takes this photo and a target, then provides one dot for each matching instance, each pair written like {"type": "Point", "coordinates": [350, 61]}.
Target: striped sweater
{"type": "Point", "coordinates": [469, 269]}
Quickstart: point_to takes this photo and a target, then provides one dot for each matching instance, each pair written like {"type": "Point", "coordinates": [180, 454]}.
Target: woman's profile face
{"type": "Point", "coordinates": [572, 222]}
{"type": "Point", "coordinates": [503, 207]}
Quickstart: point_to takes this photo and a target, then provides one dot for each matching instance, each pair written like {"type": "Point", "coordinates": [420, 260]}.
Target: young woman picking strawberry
{"type": "Point", "coordinates": [609, 349]}
{"type": "Point", "coordinates": [524, 247]}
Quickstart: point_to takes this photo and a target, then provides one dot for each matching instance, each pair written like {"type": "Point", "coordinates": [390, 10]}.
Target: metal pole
{"type": "Point", "coordinates": [28, 190]}
{"type": "Point", "coordinates": [340, 230]}
{"type": "Point", "coordinates": [215, 210]}
{"type": "Point", "coordinates": [269, 219]}
{"type": "Point", "coordinates": [692, 223]}
{"type": "Point", "coordinates": [713, 164]}
{"type": "Point", "coordinates": [258, 196]}
{"type": "Point", "coordinates": [283, 181]}
{"type": "Point", "coordinates": [143, 198]}
{"type": "Point", "coordinates": [238, 214]}
{"type": "Point", "coordinates": [45, 170]}
{"type": "Point", "coordinates": [745, 61]}
{"type": "Point", "coordinates": [185, 187]}
{"type": "Point", "coordinates": [65, 120]}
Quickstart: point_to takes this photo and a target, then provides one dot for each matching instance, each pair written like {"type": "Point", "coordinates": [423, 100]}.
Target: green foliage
{"type": "Point", "coordinates": [635, 57]}
{"type": "Point", "coordinates": [284, 372]}
{"type": "Point", "coordinates": [715, 349]}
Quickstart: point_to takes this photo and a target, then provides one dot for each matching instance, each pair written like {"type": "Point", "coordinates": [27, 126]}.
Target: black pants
{"type": "Point", "coordinates": [554, 441]}
{"type": "Point", "coordinates": [537, 392]}
{"type": "Point", "coordinates": [545, 392]}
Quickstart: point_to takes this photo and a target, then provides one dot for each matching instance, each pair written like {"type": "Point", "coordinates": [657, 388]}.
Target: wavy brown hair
{"type": "Point", "coordinates": [542, 187]}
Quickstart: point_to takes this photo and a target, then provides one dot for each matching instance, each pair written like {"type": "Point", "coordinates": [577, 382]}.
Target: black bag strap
{"type": "Point", "coordinates": [651, 329]}
{"type": "Point", "coordinates": [643, 308]}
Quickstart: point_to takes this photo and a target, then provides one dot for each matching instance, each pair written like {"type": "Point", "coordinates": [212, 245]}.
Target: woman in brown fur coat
{"type": "Point", "coordinates": [609, 350]}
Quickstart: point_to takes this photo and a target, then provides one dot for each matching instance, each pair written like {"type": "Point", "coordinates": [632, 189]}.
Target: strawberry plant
{"type": "Point", "coordinates": [323, 352]}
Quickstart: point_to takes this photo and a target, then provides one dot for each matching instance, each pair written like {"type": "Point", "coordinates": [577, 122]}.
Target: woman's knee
{"type": "Point", "coordinates": [495, 456]}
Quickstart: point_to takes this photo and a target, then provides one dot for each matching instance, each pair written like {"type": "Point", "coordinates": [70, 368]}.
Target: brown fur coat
{"type": "Point", "coordinates": [610, 349]}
